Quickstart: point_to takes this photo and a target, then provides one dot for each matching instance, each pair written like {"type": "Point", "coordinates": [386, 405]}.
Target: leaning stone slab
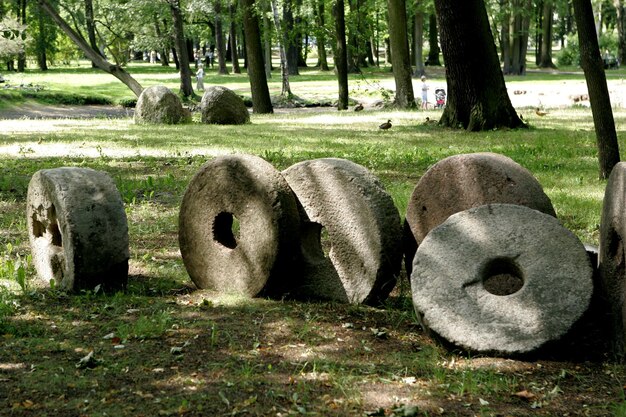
{"type": "Point", "coordinates": [363, 226]}
{"type": "Point", "coordinates": [239, 227]}
{"type": "Point", "coordinates": [222, 106]}
{"type": "Point", "coordinates": [158, 104]}
{"type": "Point", "coordinates": [77, 229]}
{"type": "Point", "coordinates": [501, 278]}
{"type": "Point", "coordinates": [464, 181]}
{"type": "Point", "coordinates": [612, 256]}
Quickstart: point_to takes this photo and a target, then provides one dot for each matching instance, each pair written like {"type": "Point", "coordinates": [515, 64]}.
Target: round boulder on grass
{"type": "Point", "coordinates": [501, 278]}
{"type": "Point", "coordinates": [239, 227]}
{"type": "Point", "coordinates": [351, 232]}
{"type": "Point", "coordinates": [77, 229]}
{"type": "Point", "coordinates": [464, 181]}
{"type": "Point", "coordinates": [159, 105]}
{"type": "Point", "coordinates": [222, 106]}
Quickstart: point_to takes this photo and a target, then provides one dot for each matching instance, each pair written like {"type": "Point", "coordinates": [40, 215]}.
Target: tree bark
{"type": "Point", "coordinates": [289, 37]}
{"type": "Point", "coordinates": [477, 95]}
{"type": "Point", "coordinates": [186, 87]}
{"type": "Point", "coordinates": [433, 41]}
{"type": "Point", "coordinates": [91, 27]}
{"type": "Point", "coordinates": [233, 38]}
{"type": "Point", "coordinates": [341, 57]}
{"type": "Point", "coordinates": [521, 24]}
{"type": "Point", "coordinates": [418, 42]}
{"type": "Point", "coordinates": [261, 101]}
{"type": "Point", "coordinates": [284, 71]}
{"type": "Point", "coordinates": [219, 39]}
{"type": "Point", "coordinates": [545, 55]}
{"type": "Point", "coordinates": [267, 39]}
{"type": "Point", "coordinates": [401, 63]}
{"type": "Point", "coordinates": [117, 71]}
{"type": "Point", "coordinates": [322, 61]}
{"type": "Point", "coordinates": [591, 62]}
{"type": "Point", "coordinates": [21, 57]}
{"type": "Point", "coordinates": [505, 36]}
{"type": "Point", "coordinates": [621, 34]}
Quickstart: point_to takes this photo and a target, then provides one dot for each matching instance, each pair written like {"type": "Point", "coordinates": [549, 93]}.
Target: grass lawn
{"type": "Point", "coordinates": [165, 348]}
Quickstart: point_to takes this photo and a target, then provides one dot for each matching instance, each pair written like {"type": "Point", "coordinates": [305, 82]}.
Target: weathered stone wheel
{"type": "Point", "coordinates": [239, 227]}
{"type": "Point", "coordinates": [501, 278]}
{"type": "Point", "coordinates": [77, 229]}
{"type": "Point", "coordinates": [158, 104]}
{"type": "Point", "coordinates": [350, 205]}
{"type": "Point", "coordinates": [612, 261]}
{"type": "Point", "coordinates": [464, 181]}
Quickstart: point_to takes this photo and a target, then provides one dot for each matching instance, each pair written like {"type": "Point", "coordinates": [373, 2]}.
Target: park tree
{"type": "Point", "coordinates": [545, 47]}
{"type": "Point", "coordinates": [341, 54]}
{"type": "Point", "coordinates": [233, 37]}
{"type": "Point", "coordinates": [401, 63]}
{"type": "Point", "coordinates": [621, 26]}
{"type": "Point", "coordinates": [320, 34]}
{"type": "Point", "coordinates": [186, 88]}
{"type": "Point", "coordinates": [12, 39]}
{"type": "Point", "coordinates": [261, 101]}
{"type": "Point", "coordinates": [219, 39]}
{"type": "Point", "coordinates": [433, 41]}
{"type": "Point", "coordinates": [477, 95]}
{"type": "Point", "coordinates": [418, 41]}
{"type": "Point", "coordinates": [591, 62]}
{"type": "Point", "coordinates": [284, 70]}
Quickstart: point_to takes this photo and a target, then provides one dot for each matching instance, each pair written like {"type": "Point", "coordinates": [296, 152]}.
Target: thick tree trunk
{"type": "Point", "coordinates": [401, 63]}
{"type": "Point", "coordinates": [505, 36]}
{"type": "Point", "coordinates": [42, 43]}
{"type": "Point", "coordinates": [322, 61]}
{"type": "Point", "coordinates": [477, 95]}
{"type": "Point", "coordinates": [341, 56]}
{"type": "Point", "coordinates": [591, 61]}
{"type": "Point", "coordinates": [267, 39]}
{"type": "Point", "coordinates": [621, 33]}
{"type": "Point", "coordinates": [545, 56]}
{"type": "Point", "coordinates": [289, 37]}
{"type": "Point", "coordinates": [233, 38]}
{"type": "Point", "coordinates": [186, 87]}
{"type": "Point", "coordinates": [433, 41]}
{"type": "Point", "coordinates": [219, 39]}
{"type": "Point", "coordinates": [261, 101]}
{"type": "Point", "coordinates": [521, 24]}
{"type": "Point", "coordinates": [103, 64]}
{"type": "Point", "coordinates": [418, 43]}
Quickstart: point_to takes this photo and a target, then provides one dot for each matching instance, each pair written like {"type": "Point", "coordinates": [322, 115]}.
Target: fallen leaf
{"type": "Point", "coordinates": [525, 395]}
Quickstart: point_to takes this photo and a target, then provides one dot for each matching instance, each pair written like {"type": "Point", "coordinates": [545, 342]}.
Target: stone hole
{"type": "Point", "coordinates": [315, 241]}
{"type": "Point", "coordinates": [502, 276]}
{"type": "Point", "coordinates": [616, 249]}
{"type": "Point", "coordinates": [226, 229]}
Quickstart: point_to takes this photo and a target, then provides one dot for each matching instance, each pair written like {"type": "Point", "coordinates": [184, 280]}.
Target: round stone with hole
{"type": "Point", "coordinates": [501, 278]}
{"type": "Point", "coordinates": [77, 229]}
{"type": "Point", "coordinates": [351, 232]}
{"type": "Point", "coordinates": [612, 255]}
{"type": "Point", "coordinates": [239, 227]}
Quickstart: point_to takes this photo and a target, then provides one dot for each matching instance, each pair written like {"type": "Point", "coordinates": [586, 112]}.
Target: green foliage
{"type": "Point", "coordinates": [13, 266]}
{"type": "Point", "coordinates": [570, 55]}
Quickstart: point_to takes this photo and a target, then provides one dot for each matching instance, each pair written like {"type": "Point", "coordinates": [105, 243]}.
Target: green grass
{"type": "Point", "coordinates": [181, 351]}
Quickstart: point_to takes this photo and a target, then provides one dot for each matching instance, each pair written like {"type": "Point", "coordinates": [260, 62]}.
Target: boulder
{"type": "Point", "coordinates": [239, 227]}
{"type": "Point", "coordinates": [361, 257]}
{"type": "Point", "coordinates": [222, 106]}
{"type": "Point", "coordinates": [464, 181]}
{"type": "Point", "coordinates": [501, 278]}
{"type": "Point", "coordinates": [158, 104]}
{"type": "Point", "coordinates": [77, 229]}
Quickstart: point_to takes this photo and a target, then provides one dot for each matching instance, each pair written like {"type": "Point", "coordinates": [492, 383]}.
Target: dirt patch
{"type": "Point", "coordinates": [39, 111]}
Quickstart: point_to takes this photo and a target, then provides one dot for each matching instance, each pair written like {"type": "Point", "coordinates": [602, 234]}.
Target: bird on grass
{"type": "Point", "coordinates": [429, 121]}
{"type": "Point", "coordinates": [358, 107]}
{"type": "Point", "coordinates": [540, 112]}
{"type": "Point", "coordinates": [386, 125]}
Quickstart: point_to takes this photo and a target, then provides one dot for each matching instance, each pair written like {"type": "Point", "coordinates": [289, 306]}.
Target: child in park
{"type": "Point", "coordinates": [424, 93]}
{"type": "Point", "coordinates": [200, 78]}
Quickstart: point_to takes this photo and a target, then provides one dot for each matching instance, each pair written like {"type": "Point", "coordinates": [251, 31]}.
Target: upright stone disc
{"type": "Point", "coordinates": [344, 201]}
{"type": "Point", "coordinates": [501, 278]}
{"type": "Point", "coordinates": [77, 228]}
{"type": "Point", "coordinates": [612, 255]}
{"type": "Point", "coordinates": [464, 181]}
{"type": "Point", "coordinates": [239, 227]}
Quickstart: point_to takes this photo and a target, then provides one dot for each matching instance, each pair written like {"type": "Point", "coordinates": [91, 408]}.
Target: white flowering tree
{"type": "Point", "coordinates": [12, 37]}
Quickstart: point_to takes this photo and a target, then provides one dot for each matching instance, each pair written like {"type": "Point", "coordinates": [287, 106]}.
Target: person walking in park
{"type": "Point", "coordinates": [200, 78]}
{"type": "Point", "coordinates": [424, 93]}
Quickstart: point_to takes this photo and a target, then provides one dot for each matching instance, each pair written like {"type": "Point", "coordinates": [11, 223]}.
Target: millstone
{"type": "Point", "coordinates": [248, 191]}
{"type": "Point", "coordinates": [464, 181]}
{"type": "Point", "coordinates": [501, 278]}
{"type": "Point", "coordinates": [612, 262]}
{"type": "Point", "coordinates": [347, 203]}
{"type": "Point", "coordinates": [77, 229]}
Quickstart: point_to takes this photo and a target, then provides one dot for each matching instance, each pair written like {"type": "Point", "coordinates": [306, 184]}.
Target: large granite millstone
{"type": "Point", "coordinates": [344, 201]}
{"type": "Point", "coordinates": [257, 258]}
{"type": "Point", "coordinates": [222, 106]}
{"type": "Point", "coordinates": [464, 181]}
{"type": "Point", "coordinates": [612, 261]}
{"type": "Point", "coordinates": [501, 278]}
{"type": "Point", "coordinates": [77, 229]}
{"type": "Point", "coordinates": [158, 104]}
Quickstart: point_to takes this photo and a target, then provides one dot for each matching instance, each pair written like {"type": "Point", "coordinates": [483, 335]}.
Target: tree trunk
{"type": "Point", "coordinates": [42, 42]}
{"type": "Point", "coordinates": [261, 101]}
{"type": "Point", "coordinates": [433, 41]}
{"type": "Point", "coordinates": [21, 57]}
{"type": "Point", "coordinates": [164, 52]}
{"type": "Point", "coordinates": [233, 38]}
{"type": "Point", "coordinates": [267, 45]}
{"type": "Point", "coordinates": [284, 71]}
{"type": "Point", "coordinates": [219, 39]}
{"type": "Point", "coordinates": [621, 34]}
{"type": "Point", "coordinates": [521, 23]}
{"type": "Point", "coordinates": [289, 37]}
{"type": "Point", "coordinates": [401, 63]}
{"type": "Point", "coordinates": [91, 27]}
{"type": "Point", "coordinates": [591, 62]}
{"type": "Point", "coordinates": [545, 56]}
{"type": "Point", "coordinates": [418, 43]}
{"type": "Point", "coordinates": [322, 61]}
{"type": "Point", "coordinates": [117, 71]}
{"type": "Point", "coordinates": [477, 95]}
{"type": "Point", "coordinates": [186, 87]}
{"type": "Point", "coordinates": [505, 36]}
{"type": "Point", "coordinates": [341, 57]}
